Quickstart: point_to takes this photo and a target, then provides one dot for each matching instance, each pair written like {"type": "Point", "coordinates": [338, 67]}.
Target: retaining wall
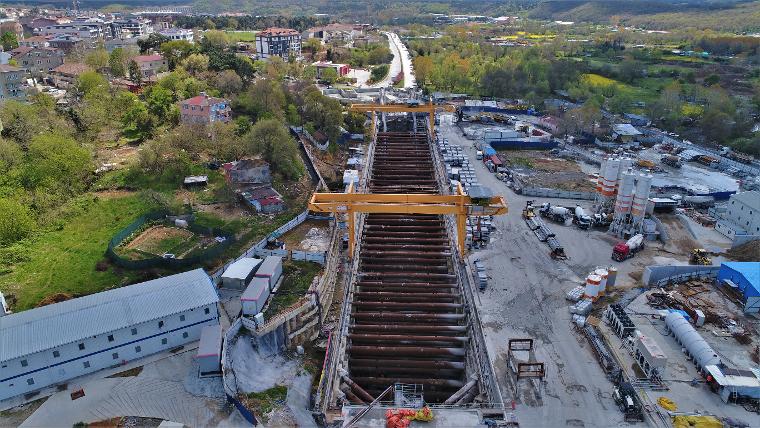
{"type": "Point", "coordinates": [659, 276]}
{"type": "Point", "coordinates": [543, 192]}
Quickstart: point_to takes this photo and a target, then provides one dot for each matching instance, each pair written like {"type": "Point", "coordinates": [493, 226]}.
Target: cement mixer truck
{"type": "Point", "coordinates": [556, 213]}
{"type": "Point", "coordinates": [581, 219]}
{"type": "Point", "coordinates": [626, 250]}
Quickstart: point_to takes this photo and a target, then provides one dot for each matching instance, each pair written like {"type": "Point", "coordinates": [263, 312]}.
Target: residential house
{"type": "Point", "coordinates": [282, 42]}
{"type": "Point", "coordinates": [341, 69]}
{"type": "Point", "coordinates": [66, 74]}
{"type": "Point", "coordinates": [68, 43]}
{"type": "Point", "coordinates": [178, 34]}
{"type": "Point", "coordinates": [11, 81]}
{"type": "Point", "coordinates": [122, 43]}
{"type": "Point", "coordinates": [248, 171]}
{"type": "Point", "coordinates": [204, 110]}
{"type": "Point", "coordinates": [263, 199]}
{"type": "Point", "coordinates": [5, 57]}
{"type": "Point", "coordinates": [150, 65]}
{"type": "Point", "coordinates": [38, 61]}
{"type": "Point", "coordinates": [132, 27]}
{"type": "Point", "coordinates": [34, 42]}
{"type": "Point", "coordinates": [53, 344]}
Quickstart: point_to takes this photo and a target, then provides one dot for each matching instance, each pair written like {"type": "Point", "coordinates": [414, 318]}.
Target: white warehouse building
{"type": "Point", "coordinates": [53, 344]}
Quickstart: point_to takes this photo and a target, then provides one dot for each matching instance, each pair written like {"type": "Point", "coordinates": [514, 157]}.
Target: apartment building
{"type": "Point", "coordinates": [282, 42]}
{"type": "Point", "coordinates": [11, 83]}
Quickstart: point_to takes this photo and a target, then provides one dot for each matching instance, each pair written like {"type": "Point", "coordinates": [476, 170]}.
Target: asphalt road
{"type": "Point", "coordinates": [401, 62]}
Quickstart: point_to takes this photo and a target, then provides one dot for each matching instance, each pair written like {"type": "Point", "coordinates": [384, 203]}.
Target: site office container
{"type": "Point", "coordinates": [271, 269]}
{"type": "Point", "coordinates": [255, 296]}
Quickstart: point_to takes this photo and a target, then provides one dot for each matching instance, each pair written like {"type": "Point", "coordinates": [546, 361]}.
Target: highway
{"type": "Point", "coordinates": [401, 62]}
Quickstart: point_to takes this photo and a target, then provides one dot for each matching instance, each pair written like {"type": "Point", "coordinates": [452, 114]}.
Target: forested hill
{"type": "Point", "coordinates": [656, 14]}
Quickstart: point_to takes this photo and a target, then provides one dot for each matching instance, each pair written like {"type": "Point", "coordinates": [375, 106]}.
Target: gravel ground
{"type": "Point", "coordinates": [525, 298]}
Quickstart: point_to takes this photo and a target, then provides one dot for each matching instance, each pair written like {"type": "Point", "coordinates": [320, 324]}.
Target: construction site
{"type": "Point", "coordinates": [407, 331]}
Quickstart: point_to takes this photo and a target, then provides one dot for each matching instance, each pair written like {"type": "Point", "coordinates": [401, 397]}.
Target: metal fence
{"type": "Point", "coordinates": [544, 192]}
{"type": "Point", "coordinates": [158, 261]}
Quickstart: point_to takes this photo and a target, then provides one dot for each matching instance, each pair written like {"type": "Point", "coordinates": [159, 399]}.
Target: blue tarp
{"type": "Point", "coordinates": [523, 145]}
{"type": "Point", "coordinates": [488, 150]}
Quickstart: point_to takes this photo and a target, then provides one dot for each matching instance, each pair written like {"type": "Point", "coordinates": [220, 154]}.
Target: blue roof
{"type": "Point", "coordinates": [749, 270]}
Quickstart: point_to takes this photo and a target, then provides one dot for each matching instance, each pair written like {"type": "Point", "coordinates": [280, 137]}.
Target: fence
{"type": "Point", "coordinates": [158, 261]}
{"type": "Point", "coordinates": [543, 192]}
{"type": "Point", "coordinates": [229, 381]}
{"type": "Point", "coordinates": [660, 276]}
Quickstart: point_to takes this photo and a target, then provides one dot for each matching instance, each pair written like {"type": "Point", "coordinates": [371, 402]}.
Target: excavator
{"type": "Point", "coordinates": [699, 256]}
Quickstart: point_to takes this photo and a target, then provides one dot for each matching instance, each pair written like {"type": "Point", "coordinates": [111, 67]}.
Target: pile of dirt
{"type": "Point", "coordinates": [54, 298]}
{"type": "Point", "coordinates": [748, 252]}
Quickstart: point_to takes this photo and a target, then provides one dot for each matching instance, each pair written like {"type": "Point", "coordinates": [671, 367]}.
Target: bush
{"type": "Point", "coordinates": [379, 72]}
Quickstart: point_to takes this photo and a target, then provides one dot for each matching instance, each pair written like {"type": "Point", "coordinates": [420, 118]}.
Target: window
{"type": "Point", "coordinates": [110, 337]}
{"type": "Point", "coordinates": [30, 381]}
{"type": "Point", "coordinates": [163, 341]}
{"type": "Point", "coordinates": [184, 335]}
{"type": "Point", "coordinates": [181, 317]}
{"type": "Point", "coordinates": [56, 354]}
{"type": "Point", "coordinates": [134, 331]}
{"type": "Point", "coordinates": [206, 311]}
{"type": "Point", "coordinates": [160, 324]}
{"type": "Point", "coordinates": [115, 355]}
{"type": "Point", "coordinates": [81, 346]}
{"type": "Point", "coordinates": [24, 363]}
{"type": "Point", "coordinates": [138, 349]}
{"type": "Point", "coordinates": [86, 364]}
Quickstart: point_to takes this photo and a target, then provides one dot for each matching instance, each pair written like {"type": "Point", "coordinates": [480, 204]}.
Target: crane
{"type": "Point", "coordinates": [411, 107]}
{"type": "Point", "coordinates": [460, 204]}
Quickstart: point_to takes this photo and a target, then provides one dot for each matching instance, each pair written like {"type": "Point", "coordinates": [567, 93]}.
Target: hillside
{"type": "Point", "coordinates": [656, 14]}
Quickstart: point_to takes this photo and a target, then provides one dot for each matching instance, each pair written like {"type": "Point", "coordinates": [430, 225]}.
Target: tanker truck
{"type": "Point", "coordinates": [626, 250]}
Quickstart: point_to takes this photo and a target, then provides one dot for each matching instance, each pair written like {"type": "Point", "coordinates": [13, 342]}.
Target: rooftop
{"type": "Point", "coordinates": [749, 270]}
{"type": "Point", "coordinates": [241, 268]}
{"type": "Point", "coordinates": [625, 129]}
{"type": "Point", "coordinates": [204, 100]}
{"type": "Point", "coordinates": [5, 68]}
{"type": "Point", "coordinates": [751, 199]}
{"type": "Point", "coordinates": [275, 31]}
{"type": "Point", "coordinates": [148, 58]}
{"type": "Point", "coordinates": [47, 327]}
{"type": "Point", "coordinates": [72, 68]}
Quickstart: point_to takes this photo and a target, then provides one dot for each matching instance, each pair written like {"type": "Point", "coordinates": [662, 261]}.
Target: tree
{"type": "Point", "coordinates": [325, 112]}
{"type": "Point", "coordinates": [9, 41]}
{"type": "Point", "coordinates": [228, 82]}
{"type": "Point", "coordinates": [712, 80]}
{"type": "Point", "coordinates": [58, 164]}
{"type": "Point", "coordinates": [329, 75]}
{"type": "Point", "coordinates": [215, 40]}
{"type": "Point", "coordinates": [423, 67]}
{"type": "Point", "coordinates": [137, 122]}
{"type": "Point", "coordinates": [98, 59]}
{"type": "Point", "coordinates": [117, 63]}
{"type": "Point", "coordinates": [16, 223]}
{"type": "Point", "coordinates": [630, 70]}
{"type": "Point", "coordinates": [159, 101]}
{"type": "Point", "coordinates": [271, 140]}
{"type": "Point", "coordinates": [264, 99]}
{"type": "Point", "coordinates": [195, 63]}
{"type": "Point", "coordinates": [152, 42]}
{"type": "Point", "coordinates": [91, 82]}
{"type": "Point", "coordinates": [134, 72]}
{"type": "Point", "coordinates": [11, 155]}
{"type": "Point", "coordinates": [312, 46]}
{"type": "Point", "coordinates": [175, 51]}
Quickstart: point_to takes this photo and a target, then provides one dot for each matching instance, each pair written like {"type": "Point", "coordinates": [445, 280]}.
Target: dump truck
{"type": "Point", "coordinates": [626, 250]}
{"type": "Point", "coordinates": [581, 219]}
{"type": "Point", "coordinates": [556, 213]}
{"type": "Point", "coordinates": [671, 160]}
{"type": "Point", "coordinates": [699, 256]}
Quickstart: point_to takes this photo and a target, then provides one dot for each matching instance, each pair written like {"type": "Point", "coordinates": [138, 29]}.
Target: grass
{"type": "Point", "coordinates": [241, 36]}
{"type": "Point", "coordinates": [261, 403]}
{"type": "Point", "coordinates": [297, 277]}
{"type": "Point", "coordinates": [63, 259]}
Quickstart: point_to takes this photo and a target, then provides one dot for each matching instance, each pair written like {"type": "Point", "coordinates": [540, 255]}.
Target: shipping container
{"type": "Point", "coordinates": [271, 269]}
{"type": "Point", "coordinates": [255, 296]}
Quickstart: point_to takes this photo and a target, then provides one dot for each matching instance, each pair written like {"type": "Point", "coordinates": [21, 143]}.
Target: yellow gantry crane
{"type": "Point", "coordinates": [459, 204]}
{"type": "Point", "coordinates": [430, 109]}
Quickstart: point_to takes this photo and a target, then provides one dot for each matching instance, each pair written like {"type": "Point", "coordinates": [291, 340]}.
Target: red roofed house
{"type": "Point", "coordinates": [272, 204]}
{"type": "Point", "coordinates": [150, 65]}
{"type": "Point", "coordinates": [341, 69]}
{"type": "Point", "coordinates": [282, 42]}
{"type": "Point", "coordinates": [204, 110]}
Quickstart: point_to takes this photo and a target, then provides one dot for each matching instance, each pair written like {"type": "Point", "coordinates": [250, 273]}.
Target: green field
{"type": "Point", "coordinates": [63, 260]}
{"type": "Point", "coordinates": [241, 36]}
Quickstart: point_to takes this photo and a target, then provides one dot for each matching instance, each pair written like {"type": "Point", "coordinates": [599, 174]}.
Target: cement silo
{"type": "Point", "coordinates": [695, 346]}
{"type": "Point", "coordinates": [640, 197]}
{"type": "Point", "coordinates": [625, 195]}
